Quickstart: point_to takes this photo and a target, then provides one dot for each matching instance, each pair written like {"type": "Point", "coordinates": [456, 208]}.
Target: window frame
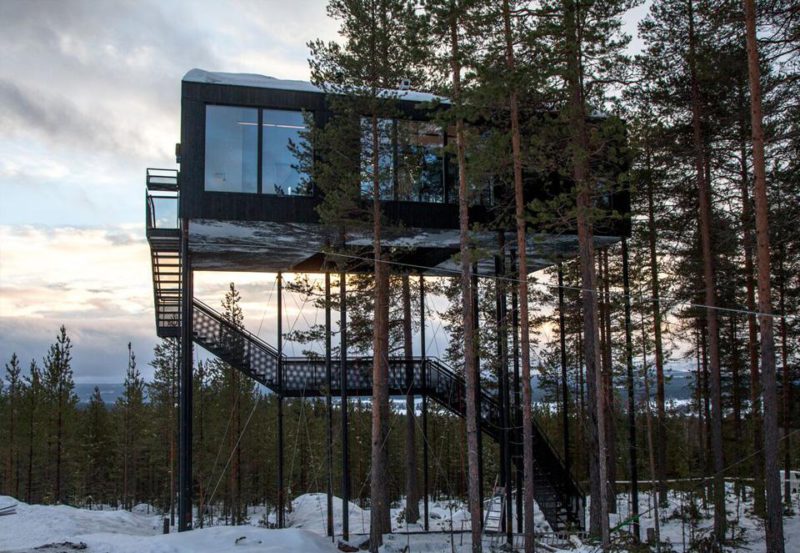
{"type": "Point", "coordinates": [206, 147]}
{"type": "Point", "coordinates": [394, 148]}
{"type": "Point", "coordinates": [259, 154]}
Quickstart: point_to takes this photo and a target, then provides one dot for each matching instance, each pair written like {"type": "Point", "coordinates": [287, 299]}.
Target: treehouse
{"type": "Point", "coordinates": [242, 202]}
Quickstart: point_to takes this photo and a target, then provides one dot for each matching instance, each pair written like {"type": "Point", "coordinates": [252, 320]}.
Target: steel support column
{"type": "Point", "coordinates": [564, 387]}
{"type": "Point", "coordinates": [517, 395]}
{"type": "Point", "coordinates": [502, 377]}
{"type": "Point", "coordinates": [343, 389]}
{"type": "Point", "coordinates": [476, 326]}
{"type": "Point", "coordinates": [281, 498]}
{"type": "Point", "coordinates": [185, 400]}
{"type": "Point", "coordinates": [631, 405]}
{"type": "Point", "coordinates": [329, 401]}
{"type": "Point", "coordinates": [422, 354]}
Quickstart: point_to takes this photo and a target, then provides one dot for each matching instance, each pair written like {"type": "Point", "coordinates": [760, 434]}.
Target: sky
{"type": "Point", "coordinates": [90, 98]}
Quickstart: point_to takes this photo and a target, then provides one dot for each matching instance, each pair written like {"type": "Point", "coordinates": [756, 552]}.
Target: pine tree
{"type": "Point", "coordinates": [97, 442]}
{"type": "Point", "coordinates": [35, 394]}
{"type": "Point", "coordinates": [774, 527]}
{"type": "Point", "coordinates": [13, 401]}
{"type": "Point", "coordinates": [59, 391]}
{"type": "Point", "coordinates": [130, 408]}
{"type": "Point", "coordinates": [378, 51]}
{"type": "Point", "coordinates": [162, 393]}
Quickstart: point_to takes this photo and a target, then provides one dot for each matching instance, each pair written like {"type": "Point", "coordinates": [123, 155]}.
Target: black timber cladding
{"type": "Point", "coordinates": [196, 203]}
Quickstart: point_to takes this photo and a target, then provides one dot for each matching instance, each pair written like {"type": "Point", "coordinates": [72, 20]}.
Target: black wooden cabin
{"type": "Point", "coordinates": [240, 203]}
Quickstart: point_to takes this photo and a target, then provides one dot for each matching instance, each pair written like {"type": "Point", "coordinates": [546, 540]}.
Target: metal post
{"type": "Point", "coordinates": [343, 390]}
{"type": "Point", "coordinates": [517, 396]}
{"type": "Point", "coordinates": [476, 326]}
{"type": "Point", "coordinates": [281, 499]}
{"type": "Point", "coordinates": [329, 399]}
{"type": "Point", "coordinates": [502, 376]}
{"type": "Point", "coordinates": [185, 400]}
{"type": "Point", "coordinates": [631, 407]}
{"type": "Point", "coordinates": [424, 397]}
{"type": "Point", "coordinates": [564, 388]}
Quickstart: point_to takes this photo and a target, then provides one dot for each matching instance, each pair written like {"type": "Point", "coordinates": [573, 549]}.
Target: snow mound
{"type": "Point", "coordinates": [125, 532]}
{"type": "Point", "coordinates": [310, 510]}
{"type": "Point", "coordinates": [36, 525]}
{"type": "Point", "coordinates": [217, 539]}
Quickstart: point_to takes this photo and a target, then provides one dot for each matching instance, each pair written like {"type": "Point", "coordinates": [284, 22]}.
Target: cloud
{"type": "Point", "coordinates": [89, 97]}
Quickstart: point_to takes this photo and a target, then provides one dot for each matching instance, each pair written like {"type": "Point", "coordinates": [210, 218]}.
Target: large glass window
{"type": "Point", "coordinates": [231, 149]}
{"type": "Point", "coordinates": [279, 170]}
{"type": "Point", "coordinates": [410, 160]}
{"type": "Point", "coordinates": [420, 166]}
{"type": "Point", "coordinates": [387, 130]}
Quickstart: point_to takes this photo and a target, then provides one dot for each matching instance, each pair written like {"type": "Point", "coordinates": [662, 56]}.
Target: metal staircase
{"type": "Point", "coordinates": [558, 496]}
{"type": "Point", "coordinates": [164, 237]}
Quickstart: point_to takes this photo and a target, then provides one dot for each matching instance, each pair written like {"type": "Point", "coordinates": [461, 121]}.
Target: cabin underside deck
{"type": "Point", "coordinates": [258, 246]}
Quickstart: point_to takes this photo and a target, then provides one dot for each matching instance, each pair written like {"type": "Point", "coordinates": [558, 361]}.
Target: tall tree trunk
{"type": "Point", "coordinates": [752, 328]}
{"type": "Point", "coordinates": [774, 522]}
{"type": "Point", "coordinates": [580, 172]}
{"type": "Point", "coordinates": [412, 487]}
{"type": "Point", "coordinates": [709, 279]}
{"type": "Point", "coordinates": [522, 282]}
{"type": "Point", "coordinates": [380, 522]}
{"type": "Point", "coordinates": [470, 366]}
{"type": "Point", "coordinates": [661, 415]}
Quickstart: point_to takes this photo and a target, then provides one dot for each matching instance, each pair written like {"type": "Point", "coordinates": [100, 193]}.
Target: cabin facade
{"type": "Point", "coordinates": [241, 202]}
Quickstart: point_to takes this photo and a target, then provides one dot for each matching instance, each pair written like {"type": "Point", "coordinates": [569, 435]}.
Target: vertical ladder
{"type": "Point", "coordinates": [493, 519]}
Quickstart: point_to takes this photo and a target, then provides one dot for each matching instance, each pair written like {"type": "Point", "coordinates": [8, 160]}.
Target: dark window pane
{"type": "Point", "coordinates": [279, 173]}
{"type": "Point", "coordinates": [385, 169]}
{"type": "Point", "coordinates": [451, 173]}
{"type": "Point", "coordinates": [419, 165]}
{"type": "Point", "coordinates": [231, 149]}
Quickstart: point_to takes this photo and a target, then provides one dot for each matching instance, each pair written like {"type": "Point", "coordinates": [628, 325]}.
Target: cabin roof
{"type": "Point", "coordinates": [265, 81]}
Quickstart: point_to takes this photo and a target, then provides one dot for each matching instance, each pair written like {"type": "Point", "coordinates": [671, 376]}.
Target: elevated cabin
{"type": "Point", "coordinates": [248, 208]}
{"type": "Point", "coordinates": [241, 203]}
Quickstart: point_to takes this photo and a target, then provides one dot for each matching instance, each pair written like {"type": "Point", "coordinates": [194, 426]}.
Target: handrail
{"type": "Point", "coordinates": [150, 210]}
{"type": "Point", "coordinates": [444, 370]}
{"type": "Point", "coordinates": [447, 387]}
{"type": "Point", "coordinates": [249, 335]}
{"type": "Point", "coordinates": [162, 179]}
{"type": "Point", "coordinates": [152, 219]}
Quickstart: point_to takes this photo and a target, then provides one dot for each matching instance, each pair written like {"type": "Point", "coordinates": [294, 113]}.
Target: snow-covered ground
{"type": "Point", "coordinates": [115, 531]}
{"type": "Point", "coordinates": [676, 527]}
